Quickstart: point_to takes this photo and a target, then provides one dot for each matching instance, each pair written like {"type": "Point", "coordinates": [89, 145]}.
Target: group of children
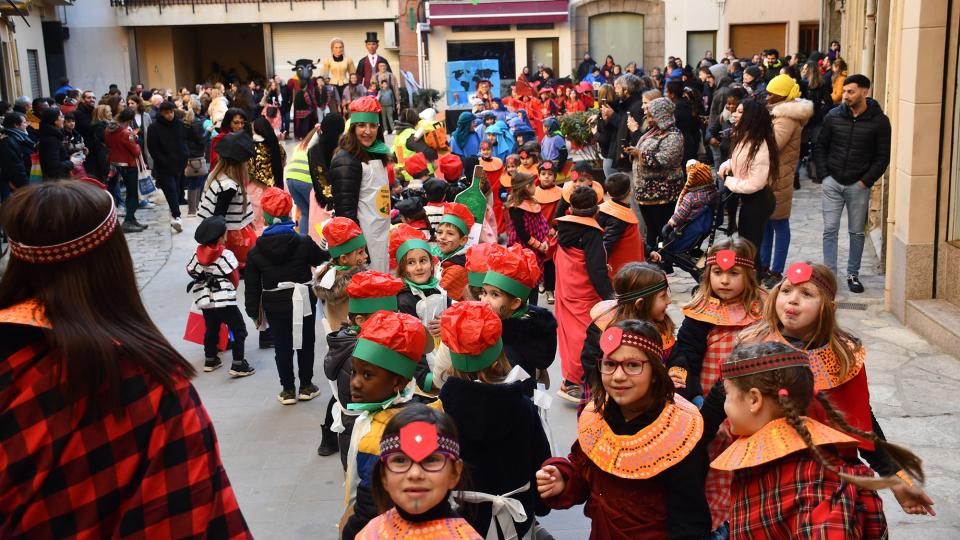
{"type": "Point", "coordinates": [749, 422]}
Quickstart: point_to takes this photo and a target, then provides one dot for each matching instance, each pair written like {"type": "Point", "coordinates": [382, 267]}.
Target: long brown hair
{"type": "Point", "coordinates": [495, 373]}
{"type": "Point", "coordinates": [661, 386]}
{"type": "Point", "coordinates": [99, 323]}
{"type": "Point", "coordinates": [518, 193]}
{"type": "Point", "coordinates": [755, 128]}
{"type": "Point", "coordinates": [751, 292]}
{"type": "Point", "coordinates": [798, 383]}
{"type": "Point", "coordinates": [235, 171]}
{"type": "Point", "coordinates": [636, 277]}
{"type": "Point", "coordinates": [351, 144]}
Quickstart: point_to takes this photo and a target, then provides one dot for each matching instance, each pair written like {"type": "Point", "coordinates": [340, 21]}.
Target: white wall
{"type": "Point", "coordinates": [97, 52]}
{"type": "Point", "coordinates": [684, 16]}
{"type": "Point", "coordinates": [31, 38]}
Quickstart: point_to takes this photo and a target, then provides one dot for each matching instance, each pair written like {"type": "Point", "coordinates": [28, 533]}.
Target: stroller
{"type": "Point", "coordinates": [684, 248]}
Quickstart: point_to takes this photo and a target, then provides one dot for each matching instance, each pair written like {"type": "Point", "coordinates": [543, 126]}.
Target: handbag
{"type": "Point", "coordinates": [196, 167]}
{"type": "Point", "coordinates": [145, 179]}
{"type": "Point", "coordinates": [36, 173]}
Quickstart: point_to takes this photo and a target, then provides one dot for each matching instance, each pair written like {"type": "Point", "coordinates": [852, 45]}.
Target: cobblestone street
{"type": "Point", "coordinates": [287, 491]}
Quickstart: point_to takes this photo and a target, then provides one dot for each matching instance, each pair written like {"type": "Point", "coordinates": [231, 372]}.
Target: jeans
{"type": "Point", "coordinates": [857, 200]}
{"type": "Point", "coordinates": [608, 167]}
{"type": "Point", "coordinates": [129, 177]}
{"type": "Point", "coordinates": [282, 324]}
{"type": "Point", "coordinates": [301, 193]}
{"type": "Point", "coordinates": [755, 210]}
{"type": "Point", "coordinates": [777, 234]}
{"type": "Point", "coordinates": [170, 185]}
{"type": "Point", "coordinates": [231, 316]}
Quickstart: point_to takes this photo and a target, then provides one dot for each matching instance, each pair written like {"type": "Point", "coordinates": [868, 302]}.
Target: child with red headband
{"type": "Point", "coordinates": [638, 462]}
{"type": "Point", "coordinates": [580, 176]}
{"type": "Point", "coordinates": [547, 196]}
{"type": "Point", "coordinates": [528, 227]}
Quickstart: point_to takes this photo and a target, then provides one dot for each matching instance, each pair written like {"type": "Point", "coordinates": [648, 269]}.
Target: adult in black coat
{"type": "Point", "coordinates": [585, 67]}
{"type": "Point", "coordinates": [167, 143]}
{"type": "Point", "coordinates": [687, 121]}
{"type": "Point", "coordinates": [15, 150]}
{"type": "Point", "coordinates": [630, 106]}
{"type": "Point", "coordinates": [54, 160]}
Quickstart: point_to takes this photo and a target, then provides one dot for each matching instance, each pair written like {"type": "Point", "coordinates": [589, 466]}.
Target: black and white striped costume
{"type": "Point", "coordinates": [212, 287]}
{"type": "Point", "coordinates": [238, 215]}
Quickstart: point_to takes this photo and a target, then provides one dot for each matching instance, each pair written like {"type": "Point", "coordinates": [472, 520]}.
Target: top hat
{"type": "Point", "coordinates": [371, 36]}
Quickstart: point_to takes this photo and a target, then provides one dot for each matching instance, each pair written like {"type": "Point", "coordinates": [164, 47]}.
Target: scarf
{"type": "Point", "coordinates": [462, 133]}
{"type": "Point", "coordinates": [432, 284]}
{"type": "Point", "coordinates": [378, 147]}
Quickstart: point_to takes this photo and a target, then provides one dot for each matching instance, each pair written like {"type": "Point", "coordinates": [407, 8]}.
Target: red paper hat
{"type": "Point", "coordinates": [415, 165]}
{"type": "Point", "coordinates": [513, 270]}
{"type": "Point", "coordinates": [403, 238]}
{"type": "Point", "coordinates": [366, 104]}
{"type": "Point", "coordinates": [451, 166]}
{"type": "Point", "coordinates": [372, 291]}
{"type": "Point", "coordinates": [546, 90]}
{"type": "Point", "coordinates": [276, 202]}
{"type": "Point", "coordinates": [472, 332]}
{"type": "Point", "coordinates": [459, 216]}
{"type": "Point", "coordinates": [393, 341]}
{"type": "Point", "coordinates": [477, 262]}
{"type": "Point", "coordinates": [343, 235]}
{"type": "Point", "coordinates": [802, 272]}
{"type": "Point", "coordinates": [727, 259]}
{"type": "Point", "coordinates": [614, 337]}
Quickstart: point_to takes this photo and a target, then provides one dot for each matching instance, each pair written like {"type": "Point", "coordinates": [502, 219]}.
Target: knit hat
{"type": "Point", "coordinates": [403, 238]}
{"type": "Point", "coordinates": [785, 86]}
{"type": "Point", "coordinates": [409, 207]}
{"type": "Point", "coordinates": [451, 166]}
{"type": "Point", "coordinates": [372, 291]}
{"type": "Point", "coordinates": [472, 332]}
{"type": "Point", "coordinates": [276, 205]}
{"type": "Point", "coordinates": [366, 110]}
{"type": "Point", "coordinates": [236, 147]}
{"type": "Point", "coordinates": [393, 341]}
{"type": "Point", "coordinates": [478, 260]}
{"type": "Point", "coordinates": [662, 110]}
{"type": "Point", "coordinates": [210, 230]}
{"type": "Point", "coordinates": [435, 189]}
{"type": "Point", "coordinates": [416, 165]}
{"type": "Point", "coordinates": [753, 71]}
{"type": "Point", "coordinates": [513, 270]}
{"type": "Point", "coordinates": [343, 235]}
{"type": "Point", "coordinates": [459, 216]}
{"type": "Point", "coordinates": [698, 174]}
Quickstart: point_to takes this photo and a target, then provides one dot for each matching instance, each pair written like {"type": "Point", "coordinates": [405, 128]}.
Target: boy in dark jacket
{"type": "Point", "coordinates": [15, 150]}
{"type": "Point", "coordinates": [278, 275]}
{"type": "Point", "coordinates": [167, 145]}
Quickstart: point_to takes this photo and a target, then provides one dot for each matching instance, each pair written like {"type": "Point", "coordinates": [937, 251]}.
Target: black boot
{"type": "Point", "coordinates": [328, 442]}
{"type": "Point", "coordinates": [266, 338]}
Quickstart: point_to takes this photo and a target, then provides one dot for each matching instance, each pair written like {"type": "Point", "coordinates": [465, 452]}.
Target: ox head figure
{"type": "Point", "coordinates": [304, 68]}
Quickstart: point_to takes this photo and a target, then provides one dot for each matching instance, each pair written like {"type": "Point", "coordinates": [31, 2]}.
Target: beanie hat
{"type": "Point", "coordinates": [393, 341]}
{"type": "Point", "coordinates": [513, 270]}
{"type": "Point", "coordinates": [409, 207]}
{"type": "Point", "coordinates": [435, 189]}
{"type": "Point", "coordinates": [415, 165]}
{"type": "Point", "coordinates": [276, 204]}
{"type": "Point", "coordinates": [236, 147]}
{"type": "Point", "coordinates": [210, 230]}
{"type": "Point", "coordinates": [753, 71]}
{"type": "Point", "coordinates": [459, 216]}
{"type": "Point", "coordinates": [342, 235]}
{"type": "Point", "coordinates": [366, 110]}
{"type": "Point", "coordinates": [477, 262]}
{"type": "Point", "coordinates": [472, 331]}
{"type": "Point", "coordinates": [784, 86]}
{"type": "Point", "coordinates": [698, 174]}
{"type": "Point", "coordinates": [403, 238]}
{"type": "Point", "coordinates": [372, 291]}
{"type": "Point", "coordinates": [451, 166]}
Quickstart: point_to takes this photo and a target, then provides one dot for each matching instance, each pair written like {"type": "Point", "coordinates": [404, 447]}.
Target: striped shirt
{"type": "Point", "coordinates": [238, 215]}
{"type": "Point", "coordinates": [211, 287]}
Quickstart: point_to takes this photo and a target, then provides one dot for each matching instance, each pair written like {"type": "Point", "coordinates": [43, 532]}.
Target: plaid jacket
{"type": "Point", "coordinates": [153, 471]}
{"type": "Point", "coordinates": [795, 497]}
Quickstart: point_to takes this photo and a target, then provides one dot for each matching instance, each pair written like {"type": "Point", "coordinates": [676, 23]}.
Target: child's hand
{"type": "Point", "coordinates": [678, 380]}
{"type": "Point", "coordinates": [550, 482]}
{"type": "Point", "coordinates": [913, 499]}
{"type": "Point", "coordinates": [434, 327]}
{"type": "Point", "coordinates": [655, 256]}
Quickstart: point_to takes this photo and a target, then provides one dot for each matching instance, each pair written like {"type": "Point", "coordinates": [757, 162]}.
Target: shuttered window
{"type": "Point", "coordinates": [33, 64]}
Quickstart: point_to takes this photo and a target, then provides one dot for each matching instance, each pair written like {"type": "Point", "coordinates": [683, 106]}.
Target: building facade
{"type": "Point", "coordinates": [27, 67]}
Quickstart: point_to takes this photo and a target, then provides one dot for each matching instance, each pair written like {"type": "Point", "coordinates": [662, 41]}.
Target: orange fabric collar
{"type": "Point", "coordinates": [27, 313]}
{"type": "Point", "coordinates": [826, 366]}
{"type": "Point", "coordinates": [589, 222]}
{"type": "Point", "coordinates": [530, 206]}
{"type": "Point", "coordinates": [568, 190]}
{"type": "Point", "coordinates": [650, 451]}
{"type": "Point", "coordinates": [719, 314]}
{"type": "Point", "coordinates": [547, 196]}
{"type": "Point", "coordinates": [774, 441]}
{"type": "Point", "coordinates": [619, 211]}
{"type": "Point", "coordinates": [494, 165]}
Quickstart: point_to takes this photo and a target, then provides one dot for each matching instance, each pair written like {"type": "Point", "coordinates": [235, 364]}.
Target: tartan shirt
{"type": "Point", "coordinates": [152, 471]}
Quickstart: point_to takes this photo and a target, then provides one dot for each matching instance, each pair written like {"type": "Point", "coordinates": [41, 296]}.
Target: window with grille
{"type": "Point", "coordinates": [33, 62]}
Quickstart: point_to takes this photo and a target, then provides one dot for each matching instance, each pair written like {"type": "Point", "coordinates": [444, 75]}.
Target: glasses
{"type": "Point", "coordinates": [633, 366]}
{"type": "Point", "coordinates": [400, 463]}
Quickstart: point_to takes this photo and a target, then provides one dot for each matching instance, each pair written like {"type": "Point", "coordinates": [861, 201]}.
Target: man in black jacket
{"type": "Point", "coordinates": [84, 117]}
{"type": "Point", "coordinates": [686, 120]}
{"type": "Point", "coordinates": [167, 143]}
{"type": "Point", "coordinates": [628, 90]}
{"type": "Point", "coordinates": [851, 155]}
{"type": "Point", "coordinates": [15, 150]}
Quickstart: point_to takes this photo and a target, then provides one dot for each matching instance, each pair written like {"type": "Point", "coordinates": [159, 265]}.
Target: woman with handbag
{"type": "Point", "coordinates": [197, 168]}
{"type": "Point", "coordinates": [124, 157]}
{"type": "Point", "coordinates": [265, 167]}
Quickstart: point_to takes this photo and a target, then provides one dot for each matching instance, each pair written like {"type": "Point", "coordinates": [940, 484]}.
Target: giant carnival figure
{"type": "Point", "coordinates": [306, 96]}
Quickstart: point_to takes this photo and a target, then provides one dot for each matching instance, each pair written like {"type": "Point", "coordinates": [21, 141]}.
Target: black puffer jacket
{"type": "Point", "coordinates": [54, 159]}
{"type": "Point", "coordinates": [852, 149]}
{"type": "Point", "coordinates": [197, 138]}
{"type": "Point", "coordinates": [167, 143]}
{"type": "Point", "coordinates": [622, 135]}
{"type": "Point", "coordinates": [278, 256]}
{"type": "Point", "coordinates": [344, 176]}
{"type": "Point", "coordinates": [15, 150]}
{"type": "Point", "coordinates": [531, 341]}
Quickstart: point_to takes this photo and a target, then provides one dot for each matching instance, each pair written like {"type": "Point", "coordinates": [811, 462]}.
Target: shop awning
{"type": "Point", "coordinates": [489, 12]}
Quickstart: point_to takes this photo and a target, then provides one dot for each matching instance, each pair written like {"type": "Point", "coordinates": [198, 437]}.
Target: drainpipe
{"type": "Point", "coordinates": [870, 39]}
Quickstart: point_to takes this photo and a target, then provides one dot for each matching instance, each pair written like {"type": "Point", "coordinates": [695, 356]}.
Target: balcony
{"type": "Point", "coordinates": [205, 12]}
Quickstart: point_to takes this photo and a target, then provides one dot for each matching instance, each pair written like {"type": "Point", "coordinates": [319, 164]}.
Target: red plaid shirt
{"type": "Point", "coordinates": [153, 471]}
{"type": "Point", "coordinates": [795, 497]}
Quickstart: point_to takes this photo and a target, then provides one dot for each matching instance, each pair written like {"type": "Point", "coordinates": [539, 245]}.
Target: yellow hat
{"type": "Point", "coordinates": [785, 86]}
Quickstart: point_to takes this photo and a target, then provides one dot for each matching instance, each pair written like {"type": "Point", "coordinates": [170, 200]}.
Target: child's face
{"type": "Point", "coordinates": [489, 120]}
{"type": "Point", "coordinates": [383, 84]}
{"type": "Point", "coordinates": [529, 160]}
{"type": "Point", "coordinates": [418, 266]}
{"type": "Point", "coordinates": [372, 384]}
{"type": "Point", "coordinates": [659, 304]}
{"type": "Point", "coordinates": [732, 105]}
{"type": "Point", "coordinates": [512, 168]}
{"type": "Point", "coordinates": [584, 180]}
{"type": "Point", "coordinates": [743, 409]}
{"type": "Point", "coordinates": [626, 390]}
{"type": "Point", "coordinates": [449, 238]}
{"type": "Point", "coordinates": [728, 284]}
{"type": "Point", "coordinates": [486, 152]}
{"type": "Point", "coordinates": [502, 303]}
{"type": "Point", "coordinates": [357, 257]}
{"type": "Point", "coordinates": [798, 308]}
{"type": "Point", "coordinates": [547, 179]}
{"type": "Point", "coordinates": [69, 124]}
{"type": "Point", "coordinates": [417, 489]}
{"type": "Point", "coordinates": [492, 139]}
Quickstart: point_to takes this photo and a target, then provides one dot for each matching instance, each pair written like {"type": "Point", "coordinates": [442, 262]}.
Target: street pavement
{"type": "Point", "coordinates": [287, 491]}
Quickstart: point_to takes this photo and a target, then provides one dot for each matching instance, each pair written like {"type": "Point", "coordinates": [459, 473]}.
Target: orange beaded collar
{"type": "Point", "coordinates": [774, 441]}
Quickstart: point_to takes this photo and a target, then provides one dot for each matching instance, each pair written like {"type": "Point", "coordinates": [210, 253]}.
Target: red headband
{"type": "Point", "coordinates": [70, 249]}
{"type": "Point", "coordinates": [802, 272]}
{"type": "Point", "coordinates": [727, 259]}
{"type": "Point", "coordinates": [614, 337]}
{"type": "Point", "coordinates": [418, 440]}
{"type": "Point", "coordinates": [760, 364]}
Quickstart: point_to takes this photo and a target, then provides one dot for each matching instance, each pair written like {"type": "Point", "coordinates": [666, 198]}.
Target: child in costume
{"type": "Point", "coordinates": [452, 235]}
{"type": "Point", "coordinates": [278, 289]}
{"type": "Point", "coordinates": [494, 169]}
{"type": "Point", "coordinates": [348, 255]}
{"type": "Point", "coordinates": [621, 233]}
{"type": "Point", "coordinates": [435, 191]}
{"type": "Point", "coordinates": [389, 348]}
{"type": "Point", "coordinates": [582, 282]}
{"type": "Point", "coordinates": [225, 195]}
{"type": "Point", "coordinates": [416, 266]}
{"type": "Point", "coordinates": [412, 213]}
{"type": "Point", "coordinates": [368, 292]}
{"type": "Point", "coordinates": [428, 438]}
{"type": "Point", "coordinates": [529, 158]}
{"type": "Point", "coordinates": [694, 202]}
{"type": "Point", "coordinates": [477, 265]}
{"type": "Point", "coordinates": [791, 478]}
{"type": "Point", "coordinates": [527, 225]}
{"type": "Point", "coordinates": [581, 175]}
{"type": "Point", "coordinates": [215, 278]}
{"type": "Point", "coordinates": [547, 196]}
{"type": "Point", "coordinates": [638, 462]}
{"type": "Point", "coordinates": [495, 419]}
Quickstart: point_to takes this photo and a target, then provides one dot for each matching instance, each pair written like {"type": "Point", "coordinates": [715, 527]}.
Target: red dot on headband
{"type": "Point", "coordinates": [799, 273]}
{"type": "Point", "coordinates": [611, 340]}
{"type": "Point", "coordinates": [726, 259]}
{"type": "Point", "coordinates": [418, 440]}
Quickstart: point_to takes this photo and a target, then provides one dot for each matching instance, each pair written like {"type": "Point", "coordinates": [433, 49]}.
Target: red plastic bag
{"type": "Point", "coordinates": [196, 328]}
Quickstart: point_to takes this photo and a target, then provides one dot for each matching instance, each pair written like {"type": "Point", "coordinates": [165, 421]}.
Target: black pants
{"type": "Point", "coordinates": [655, 216]}
{"type": "Point", "coordinates": [755, 210]}
{"type": "Point", "coordinates": [231, 316]}
{"type": "Point", "coordinates": [549, 276]}
{"type": "Point", "coordinates": [282, 324]}
{"type": "Point", "coordinates": [172, 187]}
{"type": "Point", "coordinates": [129, 177]}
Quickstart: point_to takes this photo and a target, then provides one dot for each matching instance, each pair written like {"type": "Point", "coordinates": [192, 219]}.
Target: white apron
{"type": "Point", "coordinates": [373, 213]}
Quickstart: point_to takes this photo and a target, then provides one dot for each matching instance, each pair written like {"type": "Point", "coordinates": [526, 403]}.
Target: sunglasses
{"type": "Point", "coordinates": [631, 366]}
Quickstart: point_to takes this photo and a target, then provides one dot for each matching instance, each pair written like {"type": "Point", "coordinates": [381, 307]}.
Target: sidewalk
{"type": "Point", "coordinates": [151, 247]}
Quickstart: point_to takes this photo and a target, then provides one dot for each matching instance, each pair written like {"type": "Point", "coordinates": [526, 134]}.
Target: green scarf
{"type": "Point", "coordinates": [524, 309]}
{"type": "Point", "coordinates": [378, 147]}
{"type": "Point", "coordinates": [432, 284]}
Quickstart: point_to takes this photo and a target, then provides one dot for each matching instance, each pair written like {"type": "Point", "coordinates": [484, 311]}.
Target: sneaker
{"type": "Point", "coordinates": [329, 444]}
{"type": "Point", "coordinates": [308, 392]}
{"type": "Point", "coordinates": [853, 283]}
{"type": "Point", "coordinates": [550, 298]}
{"type": "Point", "coordinates": [131, 227]}
{"type": "Point", "coordinates": [176, 224]}
{"type": "Point", "coordinates": [772, 279]}
{"type": "Point", "coordinates": [241, 369]}
{"type": "Point", "coordinates": [211, 364]}
{"type": "Point", "coordinates": [570, 392]}
{"type": "Point", "coordinates": [288, 396]}
{"type": "Point", "coordinates": [145, 203]}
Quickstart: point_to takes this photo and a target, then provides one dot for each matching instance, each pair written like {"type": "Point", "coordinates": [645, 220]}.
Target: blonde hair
{"type": "Point", "coordinates": [102, 113]}
{"type": "Point", "coordinates": [751, 292]}
{"type": "Point", "coordinates": [234, 171]}
{"type": "Point", "coordinates": [334, 41]}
